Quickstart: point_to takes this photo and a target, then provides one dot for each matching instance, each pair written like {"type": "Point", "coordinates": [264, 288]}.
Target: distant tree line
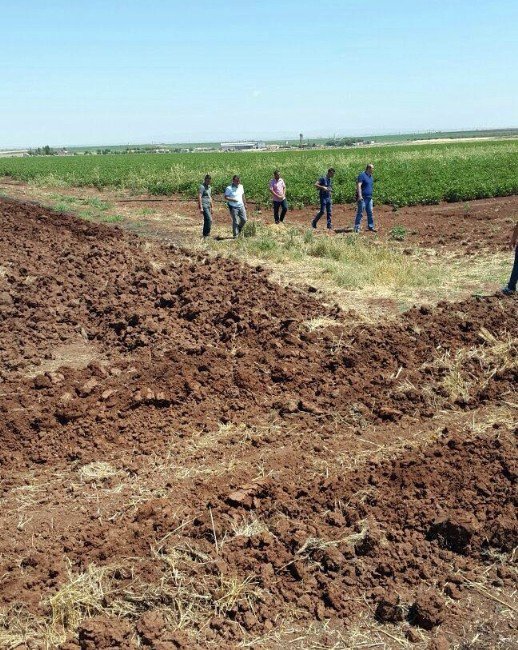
{"type": "Point", "coordinates": [43, 151]}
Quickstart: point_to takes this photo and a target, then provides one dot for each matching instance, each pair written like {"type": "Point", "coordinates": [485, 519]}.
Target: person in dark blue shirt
{"type": "Point", "coordinates": [364, 190]}
{"type": "Point", "coordinates": [325, 187]}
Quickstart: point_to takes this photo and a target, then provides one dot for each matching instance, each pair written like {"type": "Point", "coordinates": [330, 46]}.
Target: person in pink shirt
{"type": "Point", "coordinates": [278, 192]}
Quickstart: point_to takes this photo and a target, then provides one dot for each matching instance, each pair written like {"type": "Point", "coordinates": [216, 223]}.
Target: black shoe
{"type": "Point", "coordinates": [373, 230]}
{"type": "Point", "coordinates": [313, 224]}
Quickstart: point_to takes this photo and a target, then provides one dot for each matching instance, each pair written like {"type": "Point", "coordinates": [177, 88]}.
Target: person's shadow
{"type": "Point", "coordinates": [221, 238]}
{"type": "Point", "coordinates": [343, 231]}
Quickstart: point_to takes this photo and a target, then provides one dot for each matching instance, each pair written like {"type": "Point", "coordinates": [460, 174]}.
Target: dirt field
{"type": "Point", "coordinates": [194, 456]}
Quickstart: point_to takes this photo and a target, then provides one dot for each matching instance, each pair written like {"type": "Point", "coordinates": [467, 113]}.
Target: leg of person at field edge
{"type": "Point", "coordinates": [319, 214]}
{"type": "Point", "coordinates": [241, 216]}
{"type": "Point", "coordinates": [207, 222]}
{"type": "Point", "coordinates": [511, 285]}
{"type": "Point", "coordinates": [284, 205]}
{"type": "Point", "coordinates": [359, 215]}
{"type": "Point", "coordinates": [233, 215]}
{"type": "Point", "coordinates": [329, 213]}
{"type": "Point", "coordinates": [276, 206]}
{"type": "Point", "coordinates": [368, 210]}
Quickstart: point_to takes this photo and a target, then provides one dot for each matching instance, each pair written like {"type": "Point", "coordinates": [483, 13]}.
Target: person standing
{"type": "Point", "coordinates": [510, 289]}
{"type": "Point", "coordinates": [364, 191]}
{"type": "Point", "coordinates": [278, 192]}
{"type": "Point", "coordinates": [206, 205]}
{"type": "Point", "coordinates": [235, 197]}
{"type": "Point", "coordinates": [325, 188]}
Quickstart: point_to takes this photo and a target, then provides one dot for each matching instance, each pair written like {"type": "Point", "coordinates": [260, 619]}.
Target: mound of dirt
{"type": "Point", "coordinates": [115, 349]}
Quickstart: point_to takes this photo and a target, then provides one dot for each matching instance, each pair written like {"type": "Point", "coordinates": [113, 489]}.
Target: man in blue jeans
{"type": "Point", "coordinates": [325, 187]}
{"type": "Point", "coordinates": [235, 198]}
{"type": "Point", "coordinates": [364, 188]}
{"type": "Point", "coordinates": [510, 289]}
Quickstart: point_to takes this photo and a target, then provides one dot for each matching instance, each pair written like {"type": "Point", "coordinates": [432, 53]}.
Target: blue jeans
{"type": "Point", "coordinates": [514, 273]}
{"type": "Point", "coordinates": [326, 205]}
{"type": "Point", "coordinates": [277, 205]}
{"type": "Point", "coordinates": [238, 214]}
{"type": "Point", "coordinates": [207, 221]}
{"type": "Point", "coordinates": [365, 204]}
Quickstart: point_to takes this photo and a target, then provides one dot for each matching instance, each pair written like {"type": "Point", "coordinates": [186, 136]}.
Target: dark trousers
{"type": "Point", "coordinates": [207, 221]}
{"type": "Point", "coordinates": [514, 273]}
{"type": "Point", "coordinates": [326, 205]}
{"type": "Point", "coordinates": [277, 205]}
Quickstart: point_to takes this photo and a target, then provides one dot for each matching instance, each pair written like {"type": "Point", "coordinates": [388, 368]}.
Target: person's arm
{"type": "Point", "coordinates": [272, 191]}
{"type": "Point", "coordinates": [514, 237]}
{"type": "Point", "coordinates": [322, 187]}
{"type": "Point", "coordinates": [199, 200]}
{"type": "Point", "coordinates": [359, 190]}
{"type": "Point", "coordinates": [228, 197]}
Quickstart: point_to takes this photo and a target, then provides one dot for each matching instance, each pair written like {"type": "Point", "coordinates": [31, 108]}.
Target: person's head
{"type": "Point", "coordinates": [369, 169]}
{"type": "Point", "coordinates": [236, 180]}
{"type": "Point", "coordinates": [276, 174]}
{"type": "Point", "coordinates": [331, 172]}
{"type": "Point", "coordinates": [207, 179]}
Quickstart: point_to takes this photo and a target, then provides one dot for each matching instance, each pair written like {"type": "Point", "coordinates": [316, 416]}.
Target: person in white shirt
{"type": "Point", "coordinates": [235, 197]}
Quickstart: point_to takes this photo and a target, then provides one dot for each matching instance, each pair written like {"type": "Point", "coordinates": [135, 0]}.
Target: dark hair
{"type": "Point", "coordinates": [276, 171]}
{"type": "Point", "coordinates": [208, 177]}
{"type": "Point", "coordinates": [331, 169]}
{"type": "Point", "coordinates": [236, 176]}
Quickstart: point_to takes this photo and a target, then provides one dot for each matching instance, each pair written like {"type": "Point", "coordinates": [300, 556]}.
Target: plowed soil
{"type": "Point", "coordinates": [187, 463]}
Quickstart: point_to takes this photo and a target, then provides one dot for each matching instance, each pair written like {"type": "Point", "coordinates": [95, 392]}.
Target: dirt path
{"type": "Point", "coordinates": [467, 228]}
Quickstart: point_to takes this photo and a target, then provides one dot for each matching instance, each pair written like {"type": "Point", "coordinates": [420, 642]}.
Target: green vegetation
{"type": "Point", "coordinates": [405, 175]}
{"type": "Point", "coordinates": [350, 262]}
{"type": "Point", "coordinates": [91, 209]}
{"type": "Point", "coordinates": [398, 233]}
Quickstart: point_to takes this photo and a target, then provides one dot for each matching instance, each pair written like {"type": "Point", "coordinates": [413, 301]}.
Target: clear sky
{"type": "Point", "coordinates": [135, 71]}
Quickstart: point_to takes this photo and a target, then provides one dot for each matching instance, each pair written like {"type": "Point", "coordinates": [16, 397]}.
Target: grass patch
{"type": "Point", "coordinates": [350, 262]}
{"type": "Point", "coordinates": [398, 233]}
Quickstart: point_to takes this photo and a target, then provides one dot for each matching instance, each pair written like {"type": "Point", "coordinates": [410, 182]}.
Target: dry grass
{"type": "Point", "coordinates": [248, 527]}
{"type": "Point", "coordinates": [82, 596]}
{"type": "Point", "coordinates": [361, 634]}
{"type": "Point", "coordinates": [97, 472]}
{"type": "Point", "coordinates": [472, 369]}
{"type": "Point", "coordinates": [19, 628]}
{"type": "Point", "coordinates": [319, 323]}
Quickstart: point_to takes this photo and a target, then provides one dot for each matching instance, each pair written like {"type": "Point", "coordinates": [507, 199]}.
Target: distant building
{"type": "Point", "coordinates": [14, 153]}
{"type": "Point", "coordinates": [243, 146]}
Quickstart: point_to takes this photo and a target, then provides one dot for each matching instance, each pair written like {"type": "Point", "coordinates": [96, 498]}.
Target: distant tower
{"type": "Point", "coordinates": [301, 135]}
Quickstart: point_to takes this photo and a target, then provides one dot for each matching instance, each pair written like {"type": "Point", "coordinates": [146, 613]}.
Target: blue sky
{"type": "Point", "coordinates": [116, 72]}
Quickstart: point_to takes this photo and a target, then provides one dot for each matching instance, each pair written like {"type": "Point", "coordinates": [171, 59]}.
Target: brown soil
{"type": "Point", "coordinates": [258, 471]}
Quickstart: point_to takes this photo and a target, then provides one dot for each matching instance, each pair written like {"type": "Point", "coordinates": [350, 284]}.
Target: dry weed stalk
{"type": "Point", "coordinates": [248, 527]}
{"type": "Point", "coordinates": [97, 472]}
{"type": "Point", "coordinates": [82, 596]}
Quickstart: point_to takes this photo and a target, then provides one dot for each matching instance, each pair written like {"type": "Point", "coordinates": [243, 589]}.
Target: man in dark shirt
{"type": "Point", "coordinates": [325, 187]}
{"type": "Point", "coordinates": [364, 190]}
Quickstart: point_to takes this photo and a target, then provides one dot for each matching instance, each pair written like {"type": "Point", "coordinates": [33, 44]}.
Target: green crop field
{"type": "Point", "coordinates": [405, 175]}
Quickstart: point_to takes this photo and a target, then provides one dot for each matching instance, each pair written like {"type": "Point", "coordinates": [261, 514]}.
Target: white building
{"type": "Point", "coordinates": [243, 146]}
